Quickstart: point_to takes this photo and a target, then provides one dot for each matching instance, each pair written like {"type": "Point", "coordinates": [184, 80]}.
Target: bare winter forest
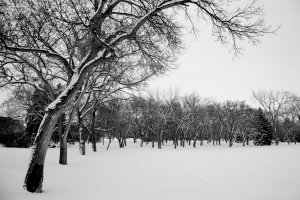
{"type": "Point", "coordinates": [74, 75]}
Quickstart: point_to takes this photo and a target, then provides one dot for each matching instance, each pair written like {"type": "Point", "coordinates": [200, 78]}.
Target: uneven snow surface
{"type": "Point", "coordinates": [135, 173]}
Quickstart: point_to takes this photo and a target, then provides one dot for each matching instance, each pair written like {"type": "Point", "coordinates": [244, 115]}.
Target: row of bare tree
{"type": "Point", "coordinates": [159, 117]}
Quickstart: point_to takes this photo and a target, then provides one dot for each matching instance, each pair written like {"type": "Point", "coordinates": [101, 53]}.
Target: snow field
{"type": "Point", "coordinates": [135, 173]}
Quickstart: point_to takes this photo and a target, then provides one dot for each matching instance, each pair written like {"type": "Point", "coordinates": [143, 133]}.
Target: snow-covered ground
{"type": "Point", "coordinates": [135, 173]}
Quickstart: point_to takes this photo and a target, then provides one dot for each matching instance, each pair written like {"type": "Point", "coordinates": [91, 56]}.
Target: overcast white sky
{"type": "Point", "coordinates": [208, 68]}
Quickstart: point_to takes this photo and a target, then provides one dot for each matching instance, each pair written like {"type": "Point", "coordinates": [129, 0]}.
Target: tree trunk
{"type": "Point", "coordinates": [82, 147]}
{"type": "Point", "coordinates": [109, 141]}
{"type": "Point", "coordinates": [63, 154]}
{"type": "Point", "coordinates": [63, 158]}
{"type": "Point", "coordinates": [93, 130]}
{"type": "Point", "coordinates": [121, 144]}
{"type": "Point", "coordinates": [81, 141]}
{"type": "Point", "coordinates": [159, 141]}
{"type": "Point", "coordinates": [62, 142]}
{"type": "Point", "coordinates": [194, 143]}
{"type": "Point", "coordinates": [230, 141]}
{"type": "Point", "coordinates": [34, 176]}
{"type": "Point", "coordinates": [153, 138]}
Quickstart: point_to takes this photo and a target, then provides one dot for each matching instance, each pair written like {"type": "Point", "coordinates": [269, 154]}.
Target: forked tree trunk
{"type": "Point", "coordinates": [35, 173]}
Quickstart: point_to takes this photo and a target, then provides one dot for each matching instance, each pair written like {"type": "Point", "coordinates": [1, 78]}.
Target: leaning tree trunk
{"type": "Point", "coordinates": [35, 173]}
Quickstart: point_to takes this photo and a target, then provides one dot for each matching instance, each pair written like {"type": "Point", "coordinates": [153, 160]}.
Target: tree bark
{"type": "Point", "coordinates": [35, 173]}
{"type": "Point", "coordinates": [63, 154]}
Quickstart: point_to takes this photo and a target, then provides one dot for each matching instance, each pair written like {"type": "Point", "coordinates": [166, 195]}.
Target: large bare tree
{"type": "Point", "coordinates": [274, 104]}
{"type": "Point", "coordinates": [45, 42]}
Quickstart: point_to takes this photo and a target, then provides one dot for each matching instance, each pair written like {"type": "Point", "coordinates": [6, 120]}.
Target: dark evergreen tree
{"type": "Point", "coordinates": [265, 130]}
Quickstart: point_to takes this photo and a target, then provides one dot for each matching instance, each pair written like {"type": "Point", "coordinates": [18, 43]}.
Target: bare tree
{"type": "Point", "coordinates": [291, 117]}
{"type": "Point", "coordinates": [273, 103]}
{"type": "Point", "coordinates": [230, 115]}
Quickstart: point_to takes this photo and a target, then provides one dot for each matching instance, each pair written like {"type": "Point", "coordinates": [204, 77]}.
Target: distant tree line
{"type": "Point", "coordinates": [159, 117]}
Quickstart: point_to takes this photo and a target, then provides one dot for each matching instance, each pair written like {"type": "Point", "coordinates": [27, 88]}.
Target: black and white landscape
{"type": "Point", "coordinates": [149, 99]}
